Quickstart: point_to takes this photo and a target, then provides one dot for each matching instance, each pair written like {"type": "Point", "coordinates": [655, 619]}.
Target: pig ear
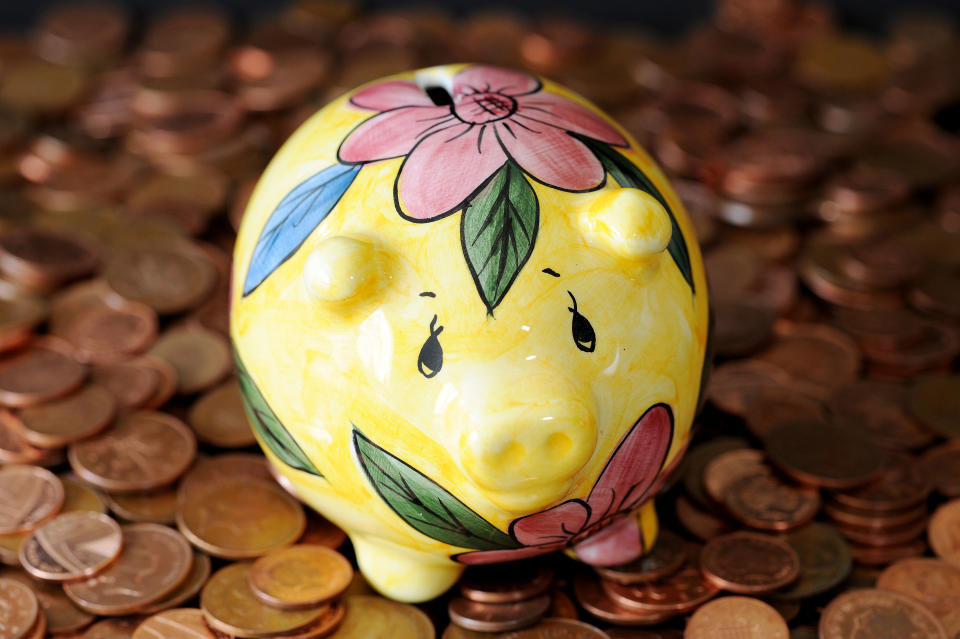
{"type": "Point", "coordinates": [338, 268]}
{"type": "Point", "coordinates": [628, 222]}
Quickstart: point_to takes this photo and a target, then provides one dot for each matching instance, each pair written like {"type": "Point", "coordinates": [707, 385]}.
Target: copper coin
{"type": "Point", "coordinates": [71, 546]}
{"type": "Point", "coordinates": [116, 628]}
{"type": "Point", "coordinates": [764, 502]}
{"type": "Point", "coordinates": [932, 582]}
{"type": "Point", "coordinates": [825, 561]}
{"type": "Point", "coordinates": [820, 454]}
{"type": "Point", "coordinates": [300, 576]}
{"type": "Point", "coordinates": [154, 561]}
{"type": "Point", "coordinates": [158, 506]}
{"type": "Point", "coordinates": [368, 616]}
{"type": "Point", "coordinates": [883, 555]}
{"type": "Point", "coordinates": [733, 383]}
{"type": "Point", "coordinates": [879, 411]}
{"type": "Point", "coordinates": [20, 313]}
{"type": "Point", "coordinates": [944, 532]}
{"type": "Point", "coordinates": [936, 347]}
{"type": "Point", "coordinates": [765, 408]}
{"type": "Point", "coordinates": [749, 563]}
{"type": "Point", "coordinates": [230, 606]}
{"type": "Point", "coordinates": [668, 554]}
{"type": "Point", "coordinates": [240, 518]}
{"type": "Point", "coordinates": [63, 421]}
{"type": "Point", "coordinates": [842, 514]}
{"type": "Point", "coordinates": [28, 497]}
{"type": "Point", "coordinates": [219, 418]}
{"type": "Point", "coordinates": [143, 451]}
{"type": "Point", "coordinates": [107, 333]}
{"type": "Point", "coordinates": [697, 459]}
{"type": "Point", "coordinates": [497, 617]}
{"type": "Point", "coordinates": [169, 278]}
{"type": "Point", "coordinates": [167, 381]}
{"type": "Point", "coordinates": [132, 383]}
{"type": "Point", "coordinates": [181, 623]}
{"type": "Point", "coordinates": [561, 606]}
{"type": "Point", "coordinates": [543, 629]}
{"type": "Point", "coordinates": [41, 259]}
{"type": "Point", "coordinates": [883, 535]}
{"type": "Point", "coordinates": [741, 617]}
{"type": "Point", "coordinates": [37, 374]}
{"type": "Point", "coordinates": [878, 614]}
{"type": "Point", "coordinates": [728, 467]}
{"type": "Point", "coordinates": [19, 609]}
{"type": "Point", "coordinates": [935, 401]}
{"type": "Point", "coordinates": [698, 522]}
{"type": "Point", "coordinates": [14, 448]}
{"type": "Point", "coordinates": [208, 470]}
{"type": "Point", "coordinates": [680, 592]}
{"type": "Point", "coordinates": [817, 357]}
{"type": "Point", "coordinates": [61, 615]}
{"type": "Point", "coordinates": [187, 590]}
{"type": "Point", "coordinates": [741, 327]}
{"type": "Point", "coordinates": [200, 357]}
{"type": "Point", "coordinates": [488, 584]}
{"type": "Point", "coordinates": [901, 484]}
{"type": "Point", "coordinates": [321, 532]}
{"type": "Point", "coordinates": [942, 465]}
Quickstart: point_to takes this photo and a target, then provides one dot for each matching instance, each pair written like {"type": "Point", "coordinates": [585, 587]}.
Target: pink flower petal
{"type": "Point", "coordinates": [392, 133]}
{"type": "Point", "coordinates": [555, 525]}
{"type": "Point", "coordinates": [554, 110]}
{"type": "Point", "coordinates": [634, 465]}
{"type": "Point", "coordinates": [613, 545]}
{"type": "Point", "coordinates": [496, 79]}
{"type": "Point", "coordinates": [446, 168]}
{"type": "Point", "coordinates": [551, 156]}
{"type": "Point", "coordinates": [499, 556]}
{"type": "Point", "coordinates": [391, 94]}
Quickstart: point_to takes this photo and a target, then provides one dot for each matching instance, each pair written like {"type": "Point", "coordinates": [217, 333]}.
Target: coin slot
{"type": "Point", "coordinates": [439, 95]}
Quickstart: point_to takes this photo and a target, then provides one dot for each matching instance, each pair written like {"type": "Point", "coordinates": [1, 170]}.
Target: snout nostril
{"type": "Point", "coordinates": [514, 454]}
{"type": "Point", "coordinates": [558, 445]}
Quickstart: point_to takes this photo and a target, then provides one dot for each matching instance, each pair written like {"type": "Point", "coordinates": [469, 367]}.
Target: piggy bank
{"type": "Point", "coordinates": [470, 321]}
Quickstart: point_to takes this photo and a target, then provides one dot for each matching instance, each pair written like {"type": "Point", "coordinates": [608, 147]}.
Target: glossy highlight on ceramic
{"type": "Point", "coordinates": [470, 323]}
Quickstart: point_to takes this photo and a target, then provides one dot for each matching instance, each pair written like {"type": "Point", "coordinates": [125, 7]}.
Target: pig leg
{"type": "Point", "coordinates": [404, 574]}
{"type": "Point", "coordinates": [621, 542]}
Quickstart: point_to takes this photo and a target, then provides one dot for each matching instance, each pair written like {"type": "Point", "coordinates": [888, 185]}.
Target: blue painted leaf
{"type": "Point", "coordinates": [423, 504]}
{"type": "Point", "coordinates": [298, 213]}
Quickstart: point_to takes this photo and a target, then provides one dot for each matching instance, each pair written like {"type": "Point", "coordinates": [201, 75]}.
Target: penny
{"type": "Point", "coordinates": [39, 259]}
{"type": "Point", "coordinates": [60, 614]}
{"type": "Point", "coordinates": [849, 515]}
{"type": "Point", "coordinates": [732, 383]}
{"type": "Point", "coordinates": [37, 374]}
{"type": "Point", "coordinates": [486, 583]}
{"type": "Point", "coordinates": [208, 470]}
{"type": "Point", "coordinates": [219, 418]}
{"type": "Point", "coordinates": [767, 407]}
{"type": "Point", "coordinates": [944, 532]}
{"type": "Point", "coordinates": [543, 629]}
{"type": "Point", "coordinates": [742, 617]}
{"type": "Point", "coordinates": [116, 628]}
{"type": "Point", "coordinates": [901, 484]}
{"type": "Point", "coordinates": [668, 554]}
{"type": "Point", "coordinates": [36, 86]}
{"type": "Point", "coordinates": [168, 278]}
{"type": "Point", "coordinates": [680, 592]}
{"type": "Point", "coordinates": [749, 563]}
{"type": "Point", "coordinates": [106, 333]}
{"type": "Point", "coordinates": [20, 314]}
{"type": "Point", "coordinates": [19, 609]}
{"type": "Point", "coordinates": [300, 576]}
{"type": "Point", "coordinates": [825, 561]}
{"type": "Point", "coordinates": [71, 546]}
{"type": "Point", "coordinates": [188, 588]}
{"type": "Point", "coordinates": [798, 448]}
{"type": "Point", "coordinates": [879, 410]}
{"type": "Point", "coordinates": [182, 623]}
{"type": "Point", "coordinates": [201, 357]}
{"type": "Point", "coordinates": [142, 451]}
{"type": "Point", "coordinates": [935, 401]}
{"type": "Point", "coordinates": [818, 358]}
{"type": "Point", "coordinates": [698, 522]}
{"type": "Point", "coordinates": [697, 459]}
{"type": "Point", "coordinates": [561, 606]}
{"type": "Point", "coordinates": [878, 614]}
{"type": "Point", "coordinates": [166, 377]}
{"type": "Point", "coordinates": [14, 448]}
{"type": "Point", "coordinates": [728, 467]}
{"type": "Point", "coordinates": [763, 501]}
{"type": "Point", "coordinates": [497, 617]}
{"type": "Point", "coordinates": [240, 518]}
{"type": "Point", "coordinates": [230, 606]}
{"type": "Point", "coordinates": [153, 562]}
{"type": "Point", "coordinates": [28, 497]}
{"type": "Point", "coordinates": [367, 616]}
{"type": "Point", "coordinates": [932, 582]}
{"type": "Point", "coordinates": [941, 464]}
{"type": "Point", "coordinates": [741, 327]}
{"type": "Point", "coordinates": [63, 421]}
{"type": "Point", "coordinates": [884, 535]}
{"type": "Point", "coordinates": [883, 555]}
{"type": "Point", "coordinates": [159, 506]}
{"type": "Point", "coordinates": [321, 532]}
{"type": "Point", "coordinates": [132, 383]}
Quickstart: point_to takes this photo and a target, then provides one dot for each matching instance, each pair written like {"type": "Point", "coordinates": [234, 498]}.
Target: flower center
{"type": "Point", "coordinates": [484, 107]}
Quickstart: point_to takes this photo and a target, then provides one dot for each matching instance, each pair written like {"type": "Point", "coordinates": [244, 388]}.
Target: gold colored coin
{"type": "Point", "coordinates": [219, 417]}
{"type": "Point", "coordinates": [79, 496]}
{"type": "Point", "coordinates": [37, 86]}
{"type": "Point", "coordinates": [237, 519]}
{"type": "Point", "coordinates": [200, 357]}
{"type": "Point", "coordinates": [230, 606]}
{"type": "Point", "coordinates": [159, 507]}
{"type": "Point", "coordinates": [368, 617]}
{"type": "Point", "coordinates": [298, 576]}
{"type": "Point", "coordinates": [199, 573]}
{"type": "Point", "coordinates": [182, 623]}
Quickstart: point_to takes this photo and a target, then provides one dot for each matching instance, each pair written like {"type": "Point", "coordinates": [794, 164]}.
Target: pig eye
{"type": "Point", "coordinates": [430, 360]}
{"type": "Point", "coordinates": [583, 335]}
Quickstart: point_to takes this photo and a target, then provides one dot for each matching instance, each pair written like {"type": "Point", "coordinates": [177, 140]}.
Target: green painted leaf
{"type": "Point", "coordinates": [627, 174]}
{"type": "Point", "coordinates": [423, 504]}
{"type": "Point", "coordinates": [498, 230]}
{"type": "Point", "coordinates": [268, 426]}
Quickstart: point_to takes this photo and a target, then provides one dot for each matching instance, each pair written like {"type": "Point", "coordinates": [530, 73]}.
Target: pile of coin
{"type": "Point", "coordinates": [820, 495]}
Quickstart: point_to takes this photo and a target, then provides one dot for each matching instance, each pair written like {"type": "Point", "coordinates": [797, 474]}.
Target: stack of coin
{"type": "Point", "coordinates": [487, 603]}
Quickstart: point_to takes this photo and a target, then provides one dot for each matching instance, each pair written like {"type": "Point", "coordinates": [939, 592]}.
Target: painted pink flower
{"type": "Point", "coordinates": [497, 115]}
{"type": "Point", "coordinates": [599, 529]}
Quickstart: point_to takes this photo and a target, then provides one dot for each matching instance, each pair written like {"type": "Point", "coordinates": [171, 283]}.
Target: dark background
{"type": "Point", "coordinates": [666, 17]}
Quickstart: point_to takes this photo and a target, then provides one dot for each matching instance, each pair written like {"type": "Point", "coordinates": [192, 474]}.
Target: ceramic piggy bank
{"type": "Point", "coordinates": [470, 321]}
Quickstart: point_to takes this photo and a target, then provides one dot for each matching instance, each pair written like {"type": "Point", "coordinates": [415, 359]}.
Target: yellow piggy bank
{"type": "Point", "coordinates": [471, 325]}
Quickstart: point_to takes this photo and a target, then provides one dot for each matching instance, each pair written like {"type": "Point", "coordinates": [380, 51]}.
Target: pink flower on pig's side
{"type": "Point", "coordinates": [497, 115]}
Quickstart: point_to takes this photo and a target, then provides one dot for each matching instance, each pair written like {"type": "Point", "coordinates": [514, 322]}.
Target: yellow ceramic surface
{"type": "Point", "coordinates": [470, 319]}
